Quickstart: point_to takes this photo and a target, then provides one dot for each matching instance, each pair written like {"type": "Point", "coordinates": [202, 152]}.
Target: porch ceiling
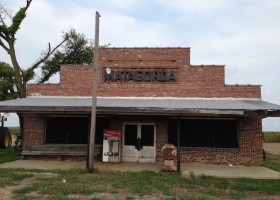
{"type": "Point", "coordinates": [143, 106]}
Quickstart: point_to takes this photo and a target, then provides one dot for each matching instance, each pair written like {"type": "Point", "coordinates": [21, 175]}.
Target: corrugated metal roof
{"type": "Point", "coordinates": [58, 104]}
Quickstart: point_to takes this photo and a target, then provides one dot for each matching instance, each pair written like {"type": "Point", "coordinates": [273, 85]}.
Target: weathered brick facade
{"type": "Point", "coordinates": [34, 129]}
{"type": "Point", "coordinates": [250, 151]}
{"type": "Point", "coordinates": [200, 81]}
{"type": "Point", "coordinates": [206, 81]}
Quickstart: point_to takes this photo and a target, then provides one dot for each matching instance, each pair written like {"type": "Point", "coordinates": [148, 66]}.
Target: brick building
{"type": "Point", "coordinates": [151, 94]}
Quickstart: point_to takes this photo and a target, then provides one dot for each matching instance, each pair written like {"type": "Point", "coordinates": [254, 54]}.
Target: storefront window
{"type": "Point", "coordinates": [214, 133]}
{"type": "Point", "coordinates": [73, 129]}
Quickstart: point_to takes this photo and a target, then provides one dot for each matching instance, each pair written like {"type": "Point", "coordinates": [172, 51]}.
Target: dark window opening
{"type": "Point", "coordinates": [102, 123]}
{"type": "Point", "coordinates": [67, 130]}
{"type": "Point", "coordinates": [130, 134]}
{"type": "Point", "coordinates": [204, 133]}
{"type": "Point", "coordinates": [74, 130]}
{"type": "Point", "coordinates": [147, 135]}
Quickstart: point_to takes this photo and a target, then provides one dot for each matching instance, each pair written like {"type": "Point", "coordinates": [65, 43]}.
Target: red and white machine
{"type": "Point", "coordinates": [111, 145]}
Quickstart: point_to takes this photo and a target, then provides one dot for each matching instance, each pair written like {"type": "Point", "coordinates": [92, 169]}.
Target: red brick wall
{"type": "Point", "coordinates": [250, 151]}
{"type": "Point", "coordinates": [192, 81]}
{"type": "Point", "coordinates": [161, 137]}
{"type": "Point", "coordinates": [203, 81]}
{"type": "Point", "coordinates": [34, 130]}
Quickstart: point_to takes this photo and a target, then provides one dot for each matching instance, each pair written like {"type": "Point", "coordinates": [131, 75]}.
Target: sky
{"type": "Point", "coordinates": [244, 35]}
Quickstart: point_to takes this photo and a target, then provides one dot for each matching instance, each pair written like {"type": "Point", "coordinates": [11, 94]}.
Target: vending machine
{"type": "Point", "coordinates": [111, 145]}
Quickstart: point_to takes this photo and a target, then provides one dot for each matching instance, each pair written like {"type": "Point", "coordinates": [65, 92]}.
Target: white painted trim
{"type": "Point", "coordinates": [146, 98]}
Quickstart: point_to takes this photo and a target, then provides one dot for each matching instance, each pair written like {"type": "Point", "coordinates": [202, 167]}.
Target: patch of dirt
{"type": "Point", "coordinates": [273, 148]}
{"type": "Point", "coordinates": [113, 196]}
{"type": "Point", "coordinates": [6, 192]}
{"type": "Point", "coordinates": [260, 196]}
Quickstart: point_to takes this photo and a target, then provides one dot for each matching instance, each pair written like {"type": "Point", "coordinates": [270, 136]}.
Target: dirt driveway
{"type": "Point", "coordinates": [273, 148]}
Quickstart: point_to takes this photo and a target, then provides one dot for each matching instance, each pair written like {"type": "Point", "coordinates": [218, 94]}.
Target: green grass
{"type": "Point", "coordinates": [24, 190]}
{"type": "Point", "coordinates": [271, 137]}
{"type": "Point", "coordinates": [269, 187]}
{"type": "Point", "coordinates": [272, 161]}
{"type": "Point", "coordinates": [9, 154]}
{"type": "Point", "coordinates": [133, 185]}
{"type": "Point", "coordinates": [9, 177]}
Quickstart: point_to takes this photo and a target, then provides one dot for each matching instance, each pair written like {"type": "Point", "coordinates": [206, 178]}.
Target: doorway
{"type": "Point", "coordinates": [139, 142]}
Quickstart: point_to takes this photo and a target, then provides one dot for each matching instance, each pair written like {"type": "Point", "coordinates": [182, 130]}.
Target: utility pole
{"type": "Point", "coordinates": [94, 94]}
{"type": "Point", "coordinates": [178, 145]}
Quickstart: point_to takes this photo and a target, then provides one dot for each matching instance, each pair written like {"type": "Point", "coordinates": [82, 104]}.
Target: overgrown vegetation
{"type": "Point", "coordinates": [271, 137]}
{"type": "Point", "coordinates": [9, 154]}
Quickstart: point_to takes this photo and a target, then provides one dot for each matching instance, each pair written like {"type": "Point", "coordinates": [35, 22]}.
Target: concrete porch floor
{"type": "Point", "coordinates": [255, 172]}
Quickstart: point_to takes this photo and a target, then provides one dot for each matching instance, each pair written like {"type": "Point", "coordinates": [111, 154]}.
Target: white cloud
{"type": "Point", "coordinates": [196, 7]}
{"type": "Point", "coordinates": [243, 35]}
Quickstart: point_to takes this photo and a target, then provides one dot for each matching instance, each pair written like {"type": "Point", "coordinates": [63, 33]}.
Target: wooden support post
{"type": "Point", "coordinates": [178, 146]}
{"type": "Point", "coordinates": [94, 95]}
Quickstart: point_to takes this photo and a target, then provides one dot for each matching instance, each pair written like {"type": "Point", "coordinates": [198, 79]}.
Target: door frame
{"type": "Point", "coordinates": [138, 132]}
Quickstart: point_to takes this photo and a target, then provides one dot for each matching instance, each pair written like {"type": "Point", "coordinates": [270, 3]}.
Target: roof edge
{"type": "Point", "coordinates": [156, 98]}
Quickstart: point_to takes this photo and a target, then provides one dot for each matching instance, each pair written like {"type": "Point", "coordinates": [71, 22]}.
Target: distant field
{"type": "Point", "coordinates": [271, 137]}
{"type": "Point", "coordinates": [14, 130]}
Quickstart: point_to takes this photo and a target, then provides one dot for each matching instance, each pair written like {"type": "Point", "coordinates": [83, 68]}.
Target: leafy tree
{"type": "Point", "coordinates": [7, 82]}
{"type": "Point", "coordinates": [76, 50]}
{"type": "Point", "coordinates": [9, 26]}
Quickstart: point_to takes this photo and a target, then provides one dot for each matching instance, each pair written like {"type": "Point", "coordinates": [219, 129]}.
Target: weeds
{"type": "Point", "coordinates": [9, 154]}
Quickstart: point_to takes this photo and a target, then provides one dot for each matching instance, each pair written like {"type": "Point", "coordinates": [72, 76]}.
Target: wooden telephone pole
{"type": "Point", "coordinates": [94, 94]}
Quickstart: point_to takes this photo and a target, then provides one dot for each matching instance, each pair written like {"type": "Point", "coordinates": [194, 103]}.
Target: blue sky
{"type": "Point", "coordinates": [242, 34]}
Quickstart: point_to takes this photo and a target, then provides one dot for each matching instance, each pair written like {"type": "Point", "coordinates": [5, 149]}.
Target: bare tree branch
{"type": "Point", "coordinates": [47, 55]}
{"type": "Point", "coordinates": [2, 35]}
{"type": "Point", "coordinates": [4, 46]}
{"type": "Point", "coordinates": [3, 14]}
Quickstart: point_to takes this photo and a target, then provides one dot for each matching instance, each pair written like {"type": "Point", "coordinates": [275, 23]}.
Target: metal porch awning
{"type": "Point", "coordinates": [144, 106]}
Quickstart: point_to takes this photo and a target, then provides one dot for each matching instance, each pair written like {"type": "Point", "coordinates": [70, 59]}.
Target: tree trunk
{"type": "Point", "coordinates": [20, 83]}
{"type": "Point", "coordinates": [18, 78]}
